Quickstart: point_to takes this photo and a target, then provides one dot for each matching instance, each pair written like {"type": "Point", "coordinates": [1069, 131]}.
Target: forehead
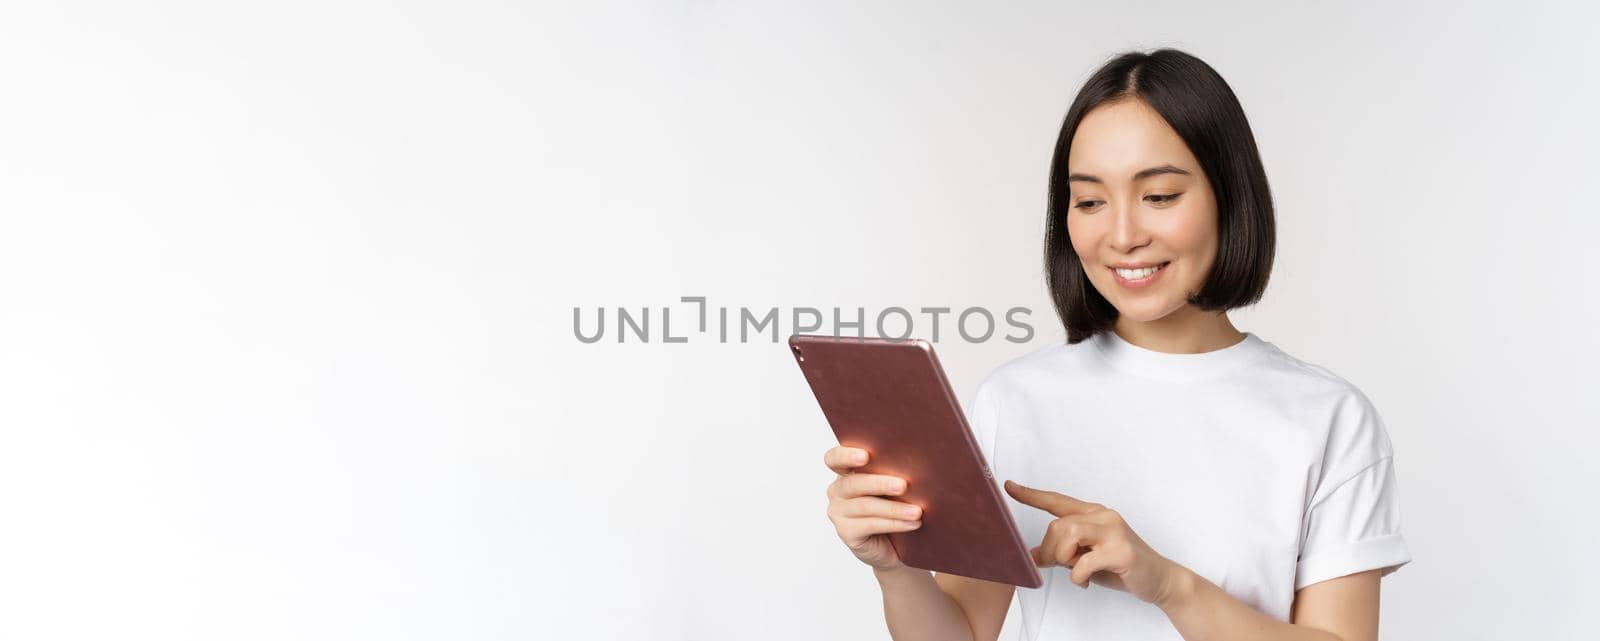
{"type": "Point", "coordinates": [1114, 140]}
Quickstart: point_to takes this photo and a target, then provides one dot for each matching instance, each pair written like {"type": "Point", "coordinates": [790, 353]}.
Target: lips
{"type": "Point", "coordinates": [1135, 275]}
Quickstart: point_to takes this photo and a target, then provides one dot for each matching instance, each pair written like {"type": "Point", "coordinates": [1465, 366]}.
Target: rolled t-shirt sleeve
{"type": "Point", "coordinates": [1352, 520]}
{"type": "Point", "coordinates": [1354, 527]}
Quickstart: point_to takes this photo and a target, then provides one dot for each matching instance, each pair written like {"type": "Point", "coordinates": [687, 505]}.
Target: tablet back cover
{"type": "Point", "coordinates": [892, 399]}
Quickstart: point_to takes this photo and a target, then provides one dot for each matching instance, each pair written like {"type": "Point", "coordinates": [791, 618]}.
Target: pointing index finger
{"type": "Point", "coordinates": [1053, 502]}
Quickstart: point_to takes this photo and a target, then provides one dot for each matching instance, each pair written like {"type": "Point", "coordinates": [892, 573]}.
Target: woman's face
{"type": "Point", "coordinates": [1142, 216]}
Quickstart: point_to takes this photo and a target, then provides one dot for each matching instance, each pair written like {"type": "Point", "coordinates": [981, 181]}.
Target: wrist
{"type": "Point", "coordinates": [1179, 588]}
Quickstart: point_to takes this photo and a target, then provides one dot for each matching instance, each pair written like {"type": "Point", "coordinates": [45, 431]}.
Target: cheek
{"type": "Point", "coordinates": [1085, 238]}
{"type": "Point", "coordinates": [1193, 234]}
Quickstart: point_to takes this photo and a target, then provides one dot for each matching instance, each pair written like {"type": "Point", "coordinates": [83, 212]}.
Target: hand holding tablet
{"type": "Point", "coordinates": [891, 401]}
{"type": "Point", "coordinates": [863, 509]}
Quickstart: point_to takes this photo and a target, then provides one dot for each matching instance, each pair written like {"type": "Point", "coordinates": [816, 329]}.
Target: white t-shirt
{"type": "Point", "coordinates": [1256, 470]}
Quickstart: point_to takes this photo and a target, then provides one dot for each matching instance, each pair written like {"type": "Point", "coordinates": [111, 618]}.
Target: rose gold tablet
{"type": "Point", "coordinates": [891, 398]}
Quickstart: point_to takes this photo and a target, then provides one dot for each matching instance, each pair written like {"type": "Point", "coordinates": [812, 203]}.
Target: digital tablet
{"type": "Point", "coordinates": [891, 398]}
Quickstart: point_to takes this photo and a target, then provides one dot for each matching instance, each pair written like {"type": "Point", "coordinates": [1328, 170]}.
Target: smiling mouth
{"type": "Point", "coordinates": [1141, 273]}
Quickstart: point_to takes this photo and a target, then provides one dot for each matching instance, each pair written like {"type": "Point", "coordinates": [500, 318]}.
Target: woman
{"type": "Point", "coordinates": [1208, 485]}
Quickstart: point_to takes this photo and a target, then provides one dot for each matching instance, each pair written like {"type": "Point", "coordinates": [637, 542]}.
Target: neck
{"type": "Point", "coordinates": [1189, 330]}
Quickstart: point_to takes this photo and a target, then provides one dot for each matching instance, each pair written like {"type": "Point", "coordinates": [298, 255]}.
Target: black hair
{"type": "Point", "coordinates": [1198, 104]}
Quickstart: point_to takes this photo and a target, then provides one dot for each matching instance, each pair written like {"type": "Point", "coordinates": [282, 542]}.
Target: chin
{"type": "Point", "coordinates": [1146, 311]}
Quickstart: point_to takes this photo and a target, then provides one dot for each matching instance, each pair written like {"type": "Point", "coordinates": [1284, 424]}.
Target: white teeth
{"type": "Point", "coordinates": [1136, 274]}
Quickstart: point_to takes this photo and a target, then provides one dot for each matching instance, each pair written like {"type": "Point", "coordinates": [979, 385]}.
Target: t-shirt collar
{"type": "Point", "coordinates": [1137, 360]}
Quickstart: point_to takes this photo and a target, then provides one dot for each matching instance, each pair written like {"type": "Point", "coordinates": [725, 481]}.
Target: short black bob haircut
{"type": "Point", "coordinates": [1198, 104]}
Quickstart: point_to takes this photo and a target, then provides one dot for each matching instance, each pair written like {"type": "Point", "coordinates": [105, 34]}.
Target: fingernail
{"type": "Point", "coordinates": [913, 512]}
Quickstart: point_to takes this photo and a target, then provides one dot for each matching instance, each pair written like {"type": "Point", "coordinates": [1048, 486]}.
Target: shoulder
{"type": "Point", "coordinates": [1355, 436]}
{"type": "Point", "coordinates": [1310, 383]}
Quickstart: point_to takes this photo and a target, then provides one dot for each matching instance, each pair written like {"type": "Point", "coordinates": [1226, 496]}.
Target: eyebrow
{"type": "Point", "coordinates": [1143, 174]}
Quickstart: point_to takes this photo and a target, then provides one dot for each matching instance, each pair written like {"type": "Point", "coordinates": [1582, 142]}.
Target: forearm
{"type": "Point", "coordinates": [1203, 611]}
{"type": "Point", "coordinates": [916, 609]}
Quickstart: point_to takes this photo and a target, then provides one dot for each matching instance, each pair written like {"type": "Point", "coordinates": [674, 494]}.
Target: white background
{"type": "Point", "coordinates": [286, 295]}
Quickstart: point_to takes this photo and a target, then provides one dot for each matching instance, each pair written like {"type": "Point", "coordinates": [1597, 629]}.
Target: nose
{"type": "Point", "coordinates": [1127, 232]}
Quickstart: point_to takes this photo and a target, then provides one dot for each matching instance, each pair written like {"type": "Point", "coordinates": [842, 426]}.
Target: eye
{"type": "Point", "coordinates": [1162, 199]}
{"type": "Point", "coordinates": [1085, 204]}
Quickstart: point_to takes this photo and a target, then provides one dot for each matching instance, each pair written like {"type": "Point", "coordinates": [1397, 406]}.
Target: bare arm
{"type": "Point", "coordinates": [922, 606]}
{"type": "Point", "coordinates": [1342, 609]}
{"type": "Point", "coordinates": [985, 602]}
